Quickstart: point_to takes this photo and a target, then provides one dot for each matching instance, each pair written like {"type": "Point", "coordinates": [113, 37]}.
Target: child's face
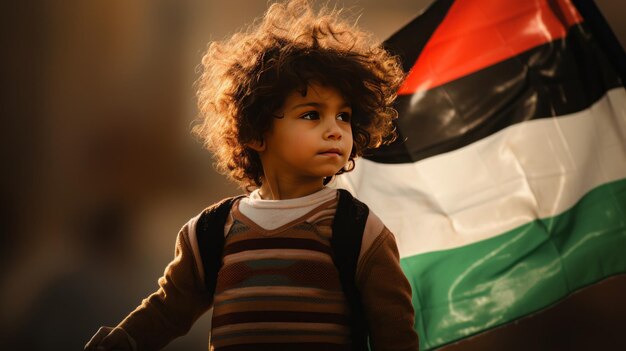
{"type": "Point", "coordinates": [313, 139]}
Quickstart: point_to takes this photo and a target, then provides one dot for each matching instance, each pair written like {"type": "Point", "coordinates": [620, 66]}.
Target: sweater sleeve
{"type": "Point", "coordinates": [385, 291]}
{"type": "Point", "coordinates": [170, 311]}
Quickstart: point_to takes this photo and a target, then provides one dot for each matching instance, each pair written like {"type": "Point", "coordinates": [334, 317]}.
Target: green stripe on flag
{"type": "Point", "coordinates": [469, 289]}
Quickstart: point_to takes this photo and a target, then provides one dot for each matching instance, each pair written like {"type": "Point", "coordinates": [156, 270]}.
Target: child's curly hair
{"type": "Point", "coordinates": [247, 78]}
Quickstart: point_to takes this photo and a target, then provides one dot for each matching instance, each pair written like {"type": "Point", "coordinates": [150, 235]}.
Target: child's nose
{"type": "Point", "coordinates": [333, 131]}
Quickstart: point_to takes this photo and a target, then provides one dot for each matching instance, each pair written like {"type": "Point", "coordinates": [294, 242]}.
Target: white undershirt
{"type": "Point", "coordinates": [269, 214]}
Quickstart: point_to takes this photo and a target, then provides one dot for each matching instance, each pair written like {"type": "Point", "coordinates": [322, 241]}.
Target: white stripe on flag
{"type": "Point", "coordinates": [530, 170]}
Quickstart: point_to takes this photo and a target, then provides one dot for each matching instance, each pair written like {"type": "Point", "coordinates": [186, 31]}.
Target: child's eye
{"type": "Point", "coordinates": [344, 116]}
{"type": "Point", "coordinates": [311, 115]}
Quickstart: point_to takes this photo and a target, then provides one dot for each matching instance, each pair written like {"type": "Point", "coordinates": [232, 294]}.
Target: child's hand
{"type": "Point", "coordinates": [108, 338]}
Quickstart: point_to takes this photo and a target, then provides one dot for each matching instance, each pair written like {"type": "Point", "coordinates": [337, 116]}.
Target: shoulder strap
{"type": "Point", "coordinates": [348, 227]}
{"type": "Point", "coordinates": [210, 234]}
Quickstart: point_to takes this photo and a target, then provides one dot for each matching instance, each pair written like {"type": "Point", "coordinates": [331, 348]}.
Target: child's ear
{"type": "Point", "coordinates": [257, 145]}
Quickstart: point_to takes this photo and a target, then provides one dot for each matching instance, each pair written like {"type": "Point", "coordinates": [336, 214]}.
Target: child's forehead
{"type": "Point", "coordinates": [317, 91]}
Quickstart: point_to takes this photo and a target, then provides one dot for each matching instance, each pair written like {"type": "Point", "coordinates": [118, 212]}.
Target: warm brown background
{"type": "Point", "coordinates": [99, 169]}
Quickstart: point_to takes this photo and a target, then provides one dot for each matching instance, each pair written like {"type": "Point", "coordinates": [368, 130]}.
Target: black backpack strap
{"type": "Point", "coordinates": [210, 236]}
{"type": "Point", "coordinates": [348, 227]}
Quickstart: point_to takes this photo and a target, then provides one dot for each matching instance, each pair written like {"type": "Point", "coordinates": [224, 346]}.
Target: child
{"type": "Point", "coordinates": [286, 105]}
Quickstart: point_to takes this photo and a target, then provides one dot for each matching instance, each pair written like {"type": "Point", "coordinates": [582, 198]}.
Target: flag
{"type": "Point", "coordinates": [506, 188]}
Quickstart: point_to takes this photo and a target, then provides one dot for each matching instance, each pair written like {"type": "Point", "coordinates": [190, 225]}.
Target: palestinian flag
{"type": "Point", "coordinates": [507, 186]}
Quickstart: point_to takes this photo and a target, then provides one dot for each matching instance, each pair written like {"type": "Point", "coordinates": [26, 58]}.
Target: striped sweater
{"type": "Point", "coordinates": [278, 288]}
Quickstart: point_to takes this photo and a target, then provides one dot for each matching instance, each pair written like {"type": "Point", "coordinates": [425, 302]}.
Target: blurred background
{"type": "Point", "coordinates": [100, 169]}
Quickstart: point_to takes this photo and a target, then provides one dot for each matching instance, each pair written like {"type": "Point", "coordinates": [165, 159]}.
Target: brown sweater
{"type": "Point", "coordinates": [306, 308]}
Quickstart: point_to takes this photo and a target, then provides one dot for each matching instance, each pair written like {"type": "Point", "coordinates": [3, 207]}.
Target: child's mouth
{"type": "Point", "coordinates": [331, 152]}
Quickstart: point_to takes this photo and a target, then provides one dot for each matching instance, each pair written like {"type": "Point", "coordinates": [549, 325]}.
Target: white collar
{"type": "Point", "coordinates": [318, 197]}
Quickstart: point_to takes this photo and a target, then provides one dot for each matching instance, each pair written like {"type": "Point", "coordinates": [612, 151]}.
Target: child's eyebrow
{"type": "Point", "coordinates": [319, 105]}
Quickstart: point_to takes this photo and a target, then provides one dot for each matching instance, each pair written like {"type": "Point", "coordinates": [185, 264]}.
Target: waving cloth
{"type": "Point", "coordinates": [507, 186]}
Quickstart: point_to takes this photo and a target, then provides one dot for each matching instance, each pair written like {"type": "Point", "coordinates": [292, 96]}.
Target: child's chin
{"type": "Point", "coordinates": [330, 175]}
{"type": "Point", "coordinates": [327, 175]}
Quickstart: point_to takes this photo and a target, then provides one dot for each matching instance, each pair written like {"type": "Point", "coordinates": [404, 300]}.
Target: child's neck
{"type": "Point", "coordinates": [272, 189]}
